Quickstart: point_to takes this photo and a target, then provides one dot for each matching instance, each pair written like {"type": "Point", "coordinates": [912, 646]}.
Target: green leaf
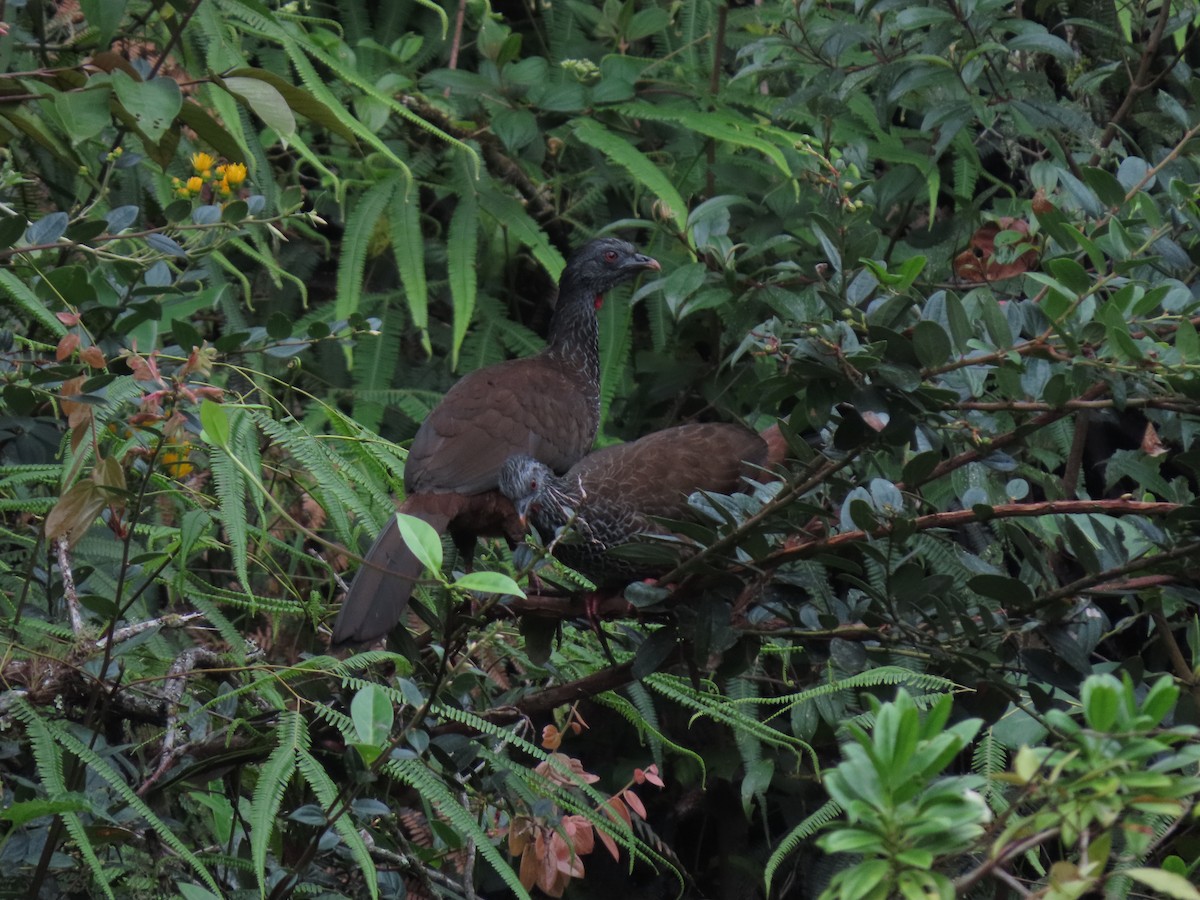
{"type": "Point", "coordinates": [265, 101]}
{"type": "Point", "coordinates": [462, 245]}
{"type": "Point", "coordinates": [408, 247]}
{"type": "Point", "coordinates": [211, 132]}
{"type": "Point", "coordinates": [931, 343]}
{"type": "Point", "coordinates": [214, 419]}
{"type": "Point", "coordinates": [644, 171]}
{"type": "Point", "coordinates": [153, 104]}
{"type": "Point", "coordinates": [1101, 697]}
{"type": "Point", "coordinates": [105, 16]}
{"type": "Point", "coordinates": [489, 583]}
{"type": "Point", "coordinates": [84, 113]}
{"type": "Point", "coordinates": [298, 100]}
{"type": "Point", "coordinates": [356, 244]}
{"type": "Point", "coordinates": [27, 810]}
{"type": "Point", "coordinates": [373, 715]}
{"type": "Point", "coordinates": [510, 215]}
{"type": "Point", "coordinates": [423, 540]}
{"type": "Point", "coordinates": [1168, 883]}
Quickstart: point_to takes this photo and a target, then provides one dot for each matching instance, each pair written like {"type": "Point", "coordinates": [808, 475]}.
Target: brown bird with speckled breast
{"type": "Point", "coordinates": [546, 407]}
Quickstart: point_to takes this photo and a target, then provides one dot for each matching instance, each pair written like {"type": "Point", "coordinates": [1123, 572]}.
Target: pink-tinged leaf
{"type": "Point", "coordinates": [651, 775]}
{"type": "Point", "coordinates": [635, 803]}
{"type": "Point", "coordinates": [609, 843]}
{"type": "Point", "coordinates": [618, 811]}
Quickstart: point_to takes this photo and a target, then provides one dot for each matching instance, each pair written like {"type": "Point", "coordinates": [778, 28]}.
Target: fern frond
{"type": "Point", "coordinates": [794, 838]}
{"type": "Point", "coordinates": [356, 243]}
{"type": "Point", "coordinates": [408, 248]}
{"type": "Point", "coordinates": [616, 341]}
{"type": "Point", "coordinates": [327, 794]}
{"type": "Point", "coordinates": [273, 778]}
{"type": "Point", "coordinates": [101, 767]}
{"type": "Point", "coordinates": [414, 773]}
{"type": "Point", "coordinates": [462, 245]}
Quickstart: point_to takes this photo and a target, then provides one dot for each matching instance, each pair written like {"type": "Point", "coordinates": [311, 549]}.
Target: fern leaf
{"type": "Point", "coordinates": [375, 361]}
{"type": "Point", "coordinates": [414, 773]}
{"type": "Point", "coordinates": [616, 340]}
{"type": "Point", "coordinates": [408, 246]}
{"type": "Point", "coordinates": [101, 767]}
{"type": "Point", "coordinates": [327, 794]}
{"type": "Point", "coordinates": [27, 301]}
{"type": "Point", "coordinates": [798, 835]}
{"type": "Point", "coordinates": [513, 217]}
{"type": "Point", "coordinates": [360, 228]}
{"type": "Point", "coordinates": [462, 245]}
{"type": "Point", "coordinates": [630, 158]}
{"type": "Point", "coordinates": [273, 778]}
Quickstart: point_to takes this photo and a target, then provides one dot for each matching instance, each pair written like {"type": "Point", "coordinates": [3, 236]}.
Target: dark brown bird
{"type": "Point", "coordinates": [546, 407]}
{"type": "Point", "coordinates": [611, 496]}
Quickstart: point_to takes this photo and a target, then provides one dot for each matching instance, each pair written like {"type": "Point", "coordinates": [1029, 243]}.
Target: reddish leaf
{"type": "Point", "coordinates": [651, 775]}
{"type": "Point", "coordinates": [618, 811]}
{"type": "Point", "coordinates": [635, 803]}
{"type": "Point", "coordinates": [609, 843]}
{"type": "Point", "coordinates": [94, 357]}
{"type": "Point", "coordinates": [581, 833]}
{"type": "Point", "coordinates": [66, 346]}
{"type": "Point", "coordinates": [75, 512]}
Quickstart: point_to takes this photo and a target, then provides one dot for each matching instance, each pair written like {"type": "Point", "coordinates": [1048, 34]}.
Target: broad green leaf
{"type": "Point", "coordinates": [489, 583]}
{"type": "Point", "coordinates": [298, 100]}
{"type": "Point", "coordinates": [153, 104]}
{"type": "Point", "coordinates": [265, 101]}
{"type": "Point", "coordinates": [214, 419]}
{"type": "Point", "coordinates": [931, 343]}
{"type": "Point", "coordinates": [1101, 702]}
{"type": "Point", "coordinates": [85, 113]}
{"type": "Point", "coordinates": [373, 715]}
{"type": "Point", "coordinates": [1176, 886]}
{"type": "Point", "coordinates": [423, 540]}
{"type": "Point", "coordinates": [105, 16]}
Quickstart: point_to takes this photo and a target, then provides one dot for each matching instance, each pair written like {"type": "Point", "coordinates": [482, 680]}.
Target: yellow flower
{"type": "Point", "coordinates": [195, 184]}
{"type": "Point", "coordinates": [224, 189]}
{"type": "Point", "coordinates": [235, 173]}
{"type": "Point", "coordinates": [202, 162]}
{"type": "Point", "coordinates": [182, 192]}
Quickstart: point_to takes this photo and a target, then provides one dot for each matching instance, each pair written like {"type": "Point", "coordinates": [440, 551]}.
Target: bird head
{"type": "Point", "coordinates": [522, 480]}
{"type": "Point", "coordinates": [602, 264]}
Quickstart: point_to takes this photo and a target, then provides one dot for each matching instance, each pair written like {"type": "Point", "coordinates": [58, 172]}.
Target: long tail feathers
{"type": "Point", "coordinates": [379, 594]}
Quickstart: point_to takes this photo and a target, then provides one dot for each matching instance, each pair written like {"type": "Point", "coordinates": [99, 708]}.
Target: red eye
{"type": "Point", "coordinates": [533, 485]}
{"type": "Point", "coordinates": [610, 255]}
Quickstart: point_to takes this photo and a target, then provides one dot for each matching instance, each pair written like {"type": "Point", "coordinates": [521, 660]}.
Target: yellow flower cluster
{"type": "Point", "coordinates": [225, 179]}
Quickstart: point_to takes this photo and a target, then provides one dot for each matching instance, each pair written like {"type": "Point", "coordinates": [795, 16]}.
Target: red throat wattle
{"type": "Point", "coordinates": [599, 301]}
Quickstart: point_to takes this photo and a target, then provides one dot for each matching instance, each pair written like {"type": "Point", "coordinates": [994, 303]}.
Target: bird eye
{"type": "Point", "coordinates": [610, 255]}
{"type": "Point", "coordinates": [533, 484]}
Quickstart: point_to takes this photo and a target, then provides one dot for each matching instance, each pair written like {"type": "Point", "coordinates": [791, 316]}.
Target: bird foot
{"type": "Point", "coordinates": [591, 607]}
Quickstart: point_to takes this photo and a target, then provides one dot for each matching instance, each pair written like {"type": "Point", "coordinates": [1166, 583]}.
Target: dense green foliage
{"type": "Point", "coordinates": [951, 246]}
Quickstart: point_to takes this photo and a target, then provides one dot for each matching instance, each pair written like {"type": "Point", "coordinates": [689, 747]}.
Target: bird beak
{"type": "Point", "coordinates": [522, 508]}
{"type": "Point", "coordinates": [642, 261]}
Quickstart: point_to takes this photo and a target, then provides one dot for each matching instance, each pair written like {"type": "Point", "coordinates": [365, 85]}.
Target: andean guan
{"type": "Point", "coordinates": [614, 493]}
{"type": "Point", "coordinates": [546, 407]}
